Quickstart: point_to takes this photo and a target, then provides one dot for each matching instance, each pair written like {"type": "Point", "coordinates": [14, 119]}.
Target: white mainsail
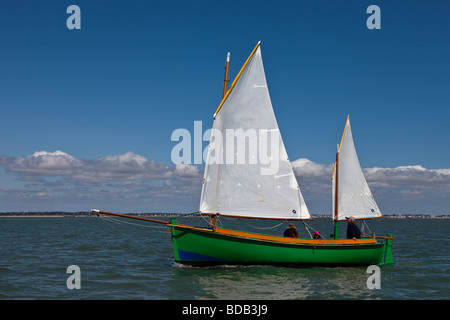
{"type": "Point", "coordinates": [354, 196]}
{"type": "Point", "coordinates": [256, 181]}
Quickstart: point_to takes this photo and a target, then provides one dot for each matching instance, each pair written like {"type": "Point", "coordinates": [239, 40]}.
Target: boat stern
{"type": "Point", "coordinates": [388, 258]}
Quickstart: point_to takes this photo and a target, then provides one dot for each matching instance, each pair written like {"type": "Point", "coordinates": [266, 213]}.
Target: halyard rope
{"type": "Point", "coordinates": [104, 219]}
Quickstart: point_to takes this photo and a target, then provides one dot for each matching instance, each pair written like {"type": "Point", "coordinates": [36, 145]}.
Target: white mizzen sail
{"type": "Point", "coordinates": [261, 182]}
{"type": "Point", "coordinates": [354, 196]}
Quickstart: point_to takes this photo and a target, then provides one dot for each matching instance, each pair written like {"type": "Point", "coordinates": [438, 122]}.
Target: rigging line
{"type": "Point", "coordinates": [231, 218]}
{"type": "Point", "coordinates": [118, 221]}
{"type": "Point", "coordinates": [206, 219]}
{"type": "Point", "coordinates": [133, 240]}
{"type": "Point", "coordinates": [365, 225]}
{"type": "Point", "coordinates": [267, 228]}
{"type": "Point", "coordinates": [306, 227]}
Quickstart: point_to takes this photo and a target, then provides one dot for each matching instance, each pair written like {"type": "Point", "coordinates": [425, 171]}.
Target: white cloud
{"type": "Point", "coordinates": [127, 166]}
{"type": "Point", "coordinates": [132, 181]}
{"type": "Point", "coordinates": [307, 169]}
{"type": "Point", "coordinates": [415, 176]}
{"type": "Point", "coordinates": [187, 171]}
{"type": "Point", "coordinates": [123, 181]}
{"type": "Point", "coordinates": [404, 177]}
{"type": "Point", "coordinates": [42, 163]}
{"type": "Point", "coordinates": [404, 188]}
{"type": "Point", "coordinates": [127, 158]}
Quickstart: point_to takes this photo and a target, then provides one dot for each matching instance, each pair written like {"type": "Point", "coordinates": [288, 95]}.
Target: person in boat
{"type": "Point", "coordinates": [316, 235]}
{"type": "Point", "coordinates": [353, 231]}
{"type": "Point", "coordinates": [291, 231]}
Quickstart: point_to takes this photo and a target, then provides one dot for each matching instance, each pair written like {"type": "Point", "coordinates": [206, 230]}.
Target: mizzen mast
{"type": "Point", "coordinates": [336, 184]}
{"type": "Point", "coordinates": [336, 212]}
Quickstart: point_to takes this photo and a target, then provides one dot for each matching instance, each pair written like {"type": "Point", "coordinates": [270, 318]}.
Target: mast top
{"type": "Point", "coordinates": [236, 79]}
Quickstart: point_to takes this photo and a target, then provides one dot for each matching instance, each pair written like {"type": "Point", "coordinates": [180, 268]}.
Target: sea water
{"type": "Point", "coordinates": [129, 259]}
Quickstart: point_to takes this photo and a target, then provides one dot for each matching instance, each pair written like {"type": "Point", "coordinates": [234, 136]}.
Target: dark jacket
{"type": "Point", "coordinates": [291, 232]}
{"type": "Point", "coordinates": [353, 231]}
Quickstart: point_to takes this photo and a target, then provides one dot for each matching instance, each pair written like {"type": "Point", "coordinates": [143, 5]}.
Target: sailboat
{"type": "Point", "coordinates": [259, 184]}
{"type": "Point", "coordinates": [351, 193]}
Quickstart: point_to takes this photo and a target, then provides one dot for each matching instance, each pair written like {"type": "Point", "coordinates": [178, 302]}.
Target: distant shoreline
{"type": "Point", "coordinates": [171, 215]}
{"type": "Point", "coordinates": [32, 216]}
{"type": "Point", "coordinates": [82, 214]}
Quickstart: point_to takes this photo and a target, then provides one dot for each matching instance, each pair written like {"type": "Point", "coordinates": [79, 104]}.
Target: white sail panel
{"type": "Point", "coordinates": [256, 181]}
{"type": "Point", "coordinates": [354, 196]}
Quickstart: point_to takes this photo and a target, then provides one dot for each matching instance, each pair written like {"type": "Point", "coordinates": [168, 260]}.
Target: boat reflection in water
{"type": "Point", "coordinates": [272, 283]}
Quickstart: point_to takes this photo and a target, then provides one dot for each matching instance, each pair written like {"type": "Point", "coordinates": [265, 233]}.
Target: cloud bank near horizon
{"type": "Point", "coordinates": [129, 182]}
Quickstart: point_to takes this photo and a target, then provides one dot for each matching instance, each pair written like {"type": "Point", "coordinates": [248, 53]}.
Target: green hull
{"type": "Point", "coordinates": [203, 247]}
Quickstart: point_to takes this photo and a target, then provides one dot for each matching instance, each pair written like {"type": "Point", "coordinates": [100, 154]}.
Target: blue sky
{"type": "Point", "coordinates": [110, 95]}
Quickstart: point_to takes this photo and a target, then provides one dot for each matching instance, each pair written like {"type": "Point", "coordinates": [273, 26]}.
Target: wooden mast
{"type": "Point", "coordinates": [225, 80]}
{"type": "Point", "coordinates": [336, 188]}
{"type": "Point", "coordinates": [235, 80]}
{"type": "Point", "coordinates": [212, 218]}
{"type": "Point", "coordinates": [339, 145]}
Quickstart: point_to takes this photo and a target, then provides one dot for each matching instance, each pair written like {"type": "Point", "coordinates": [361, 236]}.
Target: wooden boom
{"type": "Point", "coordinates": [129, 216]}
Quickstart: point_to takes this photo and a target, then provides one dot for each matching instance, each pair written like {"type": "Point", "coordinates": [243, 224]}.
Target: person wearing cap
{"type": "Point", "coordinates": [316, 235]}
{"type": "Point", "coordinates": [353, 231]}
{"type": "Point", "coordinates": [291, 231]}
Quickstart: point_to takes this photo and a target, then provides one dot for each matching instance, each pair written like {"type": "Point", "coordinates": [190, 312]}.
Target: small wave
{"type": "Point", "coordinates": [5, 270]}
{"type": "Point", "coordinates": [220, 266]}
{"type": "Point", "coordinates": [85, 248]}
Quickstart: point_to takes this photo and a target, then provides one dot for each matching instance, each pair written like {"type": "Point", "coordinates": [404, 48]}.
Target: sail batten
{"type": "Point", "coordinates": [354, 196]}
{"type": "Point", "coordinates": [247, 172]}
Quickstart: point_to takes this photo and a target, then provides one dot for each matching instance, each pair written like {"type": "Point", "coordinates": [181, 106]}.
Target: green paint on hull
{"type": "Point", "coordinates": [193, 246]}
{"type": "Point", "coordinates": [388, 257]}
